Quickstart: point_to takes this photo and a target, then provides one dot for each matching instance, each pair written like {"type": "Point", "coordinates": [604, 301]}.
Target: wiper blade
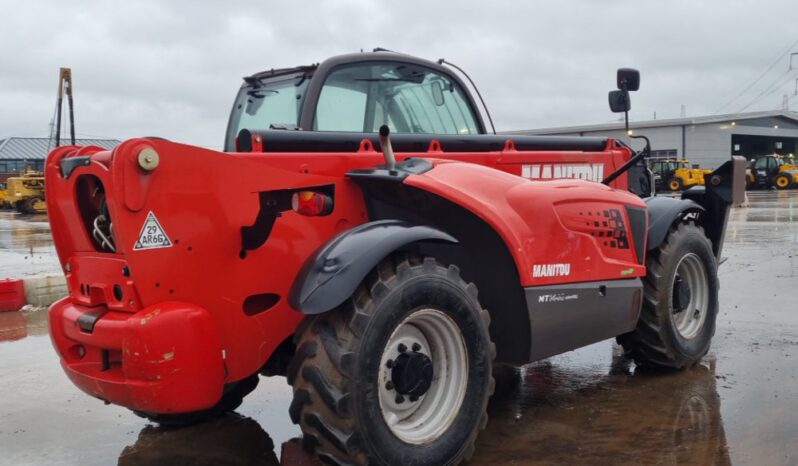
{"type": "Point", "coordinates": [404, 80]}
{"type": "Point", "coordinates": [261, 93]}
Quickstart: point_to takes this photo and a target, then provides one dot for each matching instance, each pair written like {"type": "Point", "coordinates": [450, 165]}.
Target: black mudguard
{"type": "Point", "coordinates": [722, 188]}
{"type": "Point", "coordinates": [663, 212]}
{"type": "Point", "coordinates": [332, 274]}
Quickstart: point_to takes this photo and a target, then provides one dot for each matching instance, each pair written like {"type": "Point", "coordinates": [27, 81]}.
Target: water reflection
{"type": "Point", "coordinates": [12, 326]}
{"type": "Point", "coordinates": [26, 245]}
{"type": "Point", "coordinates": [24, 232]}
{"type": "Point", "coordinates": [17, 325]}
{"type": "Point", "coordinates": [560, 415]}
{"type": "Point", "coordinates": [543, 413]}
{"type": "Point", "coordinates": [230, 440]}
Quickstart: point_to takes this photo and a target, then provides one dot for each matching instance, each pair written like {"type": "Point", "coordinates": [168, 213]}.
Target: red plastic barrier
{"type": "Point", "coordinates": [12, 294]}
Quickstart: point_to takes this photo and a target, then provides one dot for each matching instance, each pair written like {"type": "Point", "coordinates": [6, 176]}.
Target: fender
{"type": "Point", "coordinates": [722, 188]}
{"type": "Point", "coordinates": [663, 212]}
{"type": "Point", "coordinates": [332, 273]}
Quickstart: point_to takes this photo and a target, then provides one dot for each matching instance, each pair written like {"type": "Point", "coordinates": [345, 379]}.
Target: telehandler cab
{"type": "Point", "coordinates": [364, 237]}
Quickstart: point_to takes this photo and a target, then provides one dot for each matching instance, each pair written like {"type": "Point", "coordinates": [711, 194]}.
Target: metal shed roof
{"type": "Point", "coordinates": [698, 120]}
{"type": "Point", "coordinates": [15, 148]}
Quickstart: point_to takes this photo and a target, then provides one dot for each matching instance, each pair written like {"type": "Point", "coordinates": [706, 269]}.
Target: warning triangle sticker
{"type": "Point", "coordinates": [152, 235]}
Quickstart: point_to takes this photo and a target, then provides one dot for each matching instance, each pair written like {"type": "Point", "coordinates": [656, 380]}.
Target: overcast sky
{"type": "Point", "coordinates": [171, 68]}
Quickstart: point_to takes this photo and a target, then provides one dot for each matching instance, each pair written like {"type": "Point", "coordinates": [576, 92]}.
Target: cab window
{"type": "Point", "coordinates": [267, 103]}
{"type": "Point", "coordinates": [408, 98]}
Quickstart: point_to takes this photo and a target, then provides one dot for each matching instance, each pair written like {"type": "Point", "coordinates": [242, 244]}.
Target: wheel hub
{"type": "Point", "coordinates": [690, 297]}
{"type": "Point", "coordinates": [412, 374]}
{"type": "Point", "coordinates": [681, 295]}
{"type": "Point", "coordinates": [423, 376]}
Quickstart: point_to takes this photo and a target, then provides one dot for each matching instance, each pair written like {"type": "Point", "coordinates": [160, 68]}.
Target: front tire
{"type": "Point", "coordinates": [675, 184]}
{"type": "Point", "coordinates": [783, 182]}
{"type": "Point", "coordinates": [680, 304]}
{"type": "Point", "coordinates": [399, 374]}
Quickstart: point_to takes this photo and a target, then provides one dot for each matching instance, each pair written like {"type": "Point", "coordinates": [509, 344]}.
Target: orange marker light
{"type": "Point", "coordinates": [311, 203]}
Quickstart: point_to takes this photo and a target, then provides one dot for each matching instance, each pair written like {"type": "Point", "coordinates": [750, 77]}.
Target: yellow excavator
{"type": "Point", "coordinates": [677, 174]}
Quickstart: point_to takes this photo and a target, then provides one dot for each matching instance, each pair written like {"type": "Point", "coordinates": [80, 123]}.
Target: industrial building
{"type": "Point", "coordinates": [17, 154]}
{"type": "Point", "coordinates": [707, 141]}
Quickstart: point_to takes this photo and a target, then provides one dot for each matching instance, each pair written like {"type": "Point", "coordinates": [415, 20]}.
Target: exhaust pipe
{"type": "Point", "coordinates": [387, 150]}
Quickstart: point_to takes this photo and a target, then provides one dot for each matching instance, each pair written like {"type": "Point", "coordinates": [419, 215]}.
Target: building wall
{"type": "Point", "coordinates": [707, 145]}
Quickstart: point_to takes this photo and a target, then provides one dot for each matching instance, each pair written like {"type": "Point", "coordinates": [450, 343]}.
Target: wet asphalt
{"type": "Point", "coordinates": [590, 406]}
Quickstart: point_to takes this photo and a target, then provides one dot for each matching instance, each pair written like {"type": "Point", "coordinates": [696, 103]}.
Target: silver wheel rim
{"type": "Point", "coordinates": [436, 335]}
{"type": "Point", "coordinates": [690, 321]}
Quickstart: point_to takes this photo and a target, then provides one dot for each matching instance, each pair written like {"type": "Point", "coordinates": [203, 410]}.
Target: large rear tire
{"type": "Point", "coordinates": [231, 399]}
{"type": "Point", "coordinates": [680, 304]}
{"type": "Point", "coordinates": [399, 374]}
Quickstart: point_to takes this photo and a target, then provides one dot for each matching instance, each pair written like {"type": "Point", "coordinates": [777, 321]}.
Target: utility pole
{"type": "Point", "coordinates": [64, 87]}
{"type": "Point", "coordinates": [785, 103]}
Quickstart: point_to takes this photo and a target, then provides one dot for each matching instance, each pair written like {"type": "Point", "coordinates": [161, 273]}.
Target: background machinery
{"type": "Point", "coordinates": [4, 204]}
{"type": "Point", "coordinates": [25, 193]}
{"type": "Point", "coordinates": [677, 174]}
{"type": "Point", "coordinates": [769, 171]}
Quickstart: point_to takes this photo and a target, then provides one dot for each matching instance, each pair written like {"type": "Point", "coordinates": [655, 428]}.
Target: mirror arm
{"type": "Point", "coordinates": [628, 104]}
{"type": "Point", "coordinates": [643, 154]}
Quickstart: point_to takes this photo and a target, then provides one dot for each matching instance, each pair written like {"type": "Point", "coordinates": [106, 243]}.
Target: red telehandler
{"type": "Point", "coordinates": [363, 236]}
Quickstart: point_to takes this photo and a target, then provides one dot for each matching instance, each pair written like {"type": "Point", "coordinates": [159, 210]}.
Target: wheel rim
{"type": "Point", "coordinates": [674, 185]}
{"type": "Point", "coordinates": [414, 417]}
{"type": "Point", "coordinates": [782, 182]}
{"type": "Point", "coordinates": [689, 308]}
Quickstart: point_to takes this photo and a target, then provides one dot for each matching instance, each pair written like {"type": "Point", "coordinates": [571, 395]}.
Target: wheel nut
{"type": "Point", "coordinates": [416, 347]}
{"type": "Point", "coordinates": [401, 348]}
{"type": "Point", "coordinates": [389, 385]}
{"type": "Point", "coordinates": [400, 399]}
{"type": "Point", "coordinates": [389, 363]}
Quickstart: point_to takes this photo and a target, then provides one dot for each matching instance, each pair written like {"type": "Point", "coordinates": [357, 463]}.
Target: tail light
{"type": "Point", "coordinates": [311, 203]}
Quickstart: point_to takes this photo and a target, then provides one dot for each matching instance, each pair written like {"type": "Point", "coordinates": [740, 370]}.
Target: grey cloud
{"type": "Point", "coordinates": [171, 68]}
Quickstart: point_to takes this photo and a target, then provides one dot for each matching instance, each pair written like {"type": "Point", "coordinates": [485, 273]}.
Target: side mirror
{"type": "Point", "coordinates": [437, 93]}
{"type": "Point", "coordinates": [619, 101]}
{"type": "Point", "coordinates": [628, 79]}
